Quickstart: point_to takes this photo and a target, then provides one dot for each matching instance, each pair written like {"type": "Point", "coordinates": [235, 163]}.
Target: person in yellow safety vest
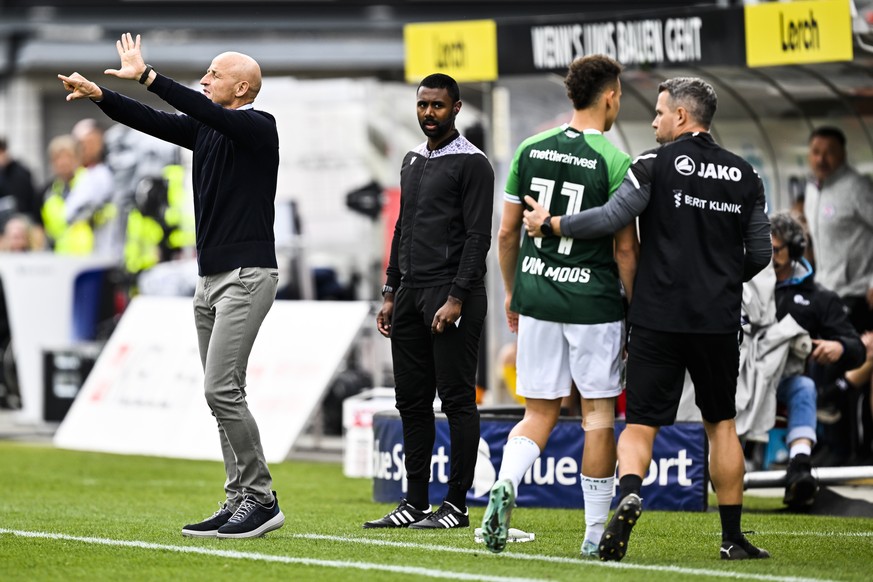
{"type": "Point", "coordinates": [156, 231]}
{"type": "Point", "coordinates": [179, 216]}
{"type": "Point", "coordinates": [65, 239]}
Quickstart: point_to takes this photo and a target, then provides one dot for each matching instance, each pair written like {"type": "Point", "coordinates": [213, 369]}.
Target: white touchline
{"type": "Point", "coordinates": [266, 557]}
{"type": "Point", "coordinates": [561, 560]}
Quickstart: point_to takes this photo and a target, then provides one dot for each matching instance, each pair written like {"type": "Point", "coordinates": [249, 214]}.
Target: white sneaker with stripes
{"type": "Point", "coordinates": [447, 516]}
{"type": "Point", "coordinates": [404, 515]}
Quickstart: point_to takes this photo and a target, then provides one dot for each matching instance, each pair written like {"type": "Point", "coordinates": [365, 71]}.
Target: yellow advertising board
{"type": "Point", "coordinates": [793, 33]}
{"type": "Point", "coordinates": [466, 50]}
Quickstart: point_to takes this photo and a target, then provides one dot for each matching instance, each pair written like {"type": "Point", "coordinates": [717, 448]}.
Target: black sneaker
{"type": "Point", "coordinates": [447, 516]}
{"type": "Point", "coordinates": [800, 485]}
{"type": "Point", "coordinates": [613, 544]}
{"type": "Point", "coordinates": [252, 520]}
{"type": "Point", "coordinates": [742, 549]}
{"type": "Point", "coordinates": [208, 528]}
{"type": "Point", "coordinates": [403, 515]}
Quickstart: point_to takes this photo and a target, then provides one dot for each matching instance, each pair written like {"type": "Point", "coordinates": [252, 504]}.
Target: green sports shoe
{"type": "Point", "coordinates": [590, 549]}
{"type": "Point", "coordinates": [495, 523]}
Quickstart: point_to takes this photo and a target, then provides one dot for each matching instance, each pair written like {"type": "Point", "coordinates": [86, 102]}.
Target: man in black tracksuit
{"type": "Point", "coordinates": [434, 303]}
{"type": "Point", "coordinates": [235, 170]}
{"type": "Point", "coordinates": [703, 232]}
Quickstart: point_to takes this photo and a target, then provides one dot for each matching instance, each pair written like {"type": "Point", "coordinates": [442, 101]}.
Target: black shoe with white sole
{"type": "Point", "coordinates": [208, 528]}
{"type": "Point", "coordinates": [252, 519]}
{"type": "Point", "coordinates": [404, 515]}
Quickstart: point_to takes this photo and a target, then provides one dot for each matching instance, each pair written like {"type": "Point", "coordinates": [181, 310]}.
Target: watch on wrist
{"type": "Point", "coordinates": [145, 75]}
{"type": "Point", "coordinates": [546, 227]}
{"type": "Point", "coordinates": [387, 289]}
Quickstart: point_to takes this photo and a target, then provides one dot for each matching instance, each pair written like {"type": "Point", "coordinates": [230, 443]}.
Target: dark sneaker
{"type": "Point", "coordinates": [252, 520]}
{"type": "Point", "coordinates": [742, 550]}
{"type": "Point", "coordinates": [445, 517]}
{"type": "Point", "coordinates": [800, 486]}
{"type": "Point", "coordinates": [208, 528]}
{"type": "Point", "coordinates": [404, 515]}
{"type": "Point", "coordinates": [495, 523]}
{"type": "Point", "coordinates": [613, 544]}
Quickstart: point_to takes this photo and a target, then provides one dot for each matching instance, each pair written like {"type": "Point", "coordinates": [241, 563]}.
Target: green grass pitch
{"type": "Point", "coordinates": [68, 515]}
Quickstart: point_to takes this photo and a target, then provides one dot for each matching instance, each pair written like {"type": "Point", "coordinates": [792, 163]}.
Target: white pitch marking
{"type": "Point", "coordinates": [266, 557]}
{"type": "Point", "coordinates": [562, 560]}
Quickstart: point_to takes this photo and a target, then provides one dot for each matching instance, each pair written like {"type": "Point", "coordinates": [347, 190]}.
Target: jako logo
{"type": "Point", "coordinates": [684, 165]}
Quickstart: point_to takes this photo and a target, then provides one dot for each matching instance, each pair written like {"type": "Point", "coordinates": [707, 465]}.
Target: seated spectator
{"type": "Point", "coordinates": [849, 401]}
{"type": "Point", "coordinates": [835, 343]}
{"type": "Point", "coordinates": [18, 236]}
{"type": "Point", "coordinates": [21, 235]}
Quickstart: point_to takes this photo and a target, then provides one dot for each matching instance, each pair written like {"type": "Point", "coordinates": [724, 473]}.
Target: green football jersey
{"type": "Point", "coordinates": [563, 279]}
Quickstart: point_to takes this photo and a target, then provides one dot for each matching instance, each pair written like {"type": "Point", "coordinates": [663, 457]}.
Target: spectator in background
{"type": "Point", "coordinates": [861, 379]}
{"type": "Point", "coordinates": [835, 343]}
{"type": "Point", "coordinates": [17, 194]}
{"type": "Point", "coordinates": [20, 235]}
{"type": "Point", "coordinates": [63, 153]}
{"type": "Point", "coordinates": [839, 211]}
{"type": "Point", "coordinates": [91, 198]}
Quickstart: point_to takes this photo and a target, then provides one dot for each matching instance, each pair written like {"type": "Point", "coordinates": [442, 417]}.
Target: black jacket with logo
{"type": "Point", "coordinates": [820, 312]}
{"type": "Point", "coordinates": [696, 246]}
{"type": "Point", "coordinates": [443, 232]}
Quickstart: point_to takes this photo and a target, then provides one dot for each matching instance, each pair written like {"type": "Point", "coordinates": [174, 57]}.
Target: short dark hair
{"type": "Point", "coordinates": [4, 145]}
{"type": "Point", "coordinates": [588, 77]}
{"type": "Point", "coordinates": [442, 81]}
{"type": "Point", "coordinates": [695, 95]}
{"type": "Point", "coordinates": [829, 131]}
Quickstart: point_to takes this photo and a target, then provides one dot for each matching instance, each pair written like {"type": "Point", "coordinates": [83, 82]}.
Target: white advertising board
{"type": "Point", "coordinates": [145, 393]}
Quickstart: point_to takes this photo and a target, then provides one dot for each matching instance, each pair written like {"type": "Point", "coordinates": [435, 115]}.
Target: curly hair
{"type": "Point", "coordinates": [588, 77]}
{"type": "Point", "coordinates": [787, 229]}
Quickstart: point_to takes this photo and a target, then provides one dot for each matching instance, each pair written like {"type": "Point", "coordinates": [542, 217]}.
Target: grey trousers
{"type": "Point", "coordinates": [228, 311]}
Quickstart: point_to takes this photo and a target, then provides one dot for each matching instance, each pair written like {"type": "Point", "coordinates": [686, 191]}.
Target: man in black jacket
{"type": "Point", "coordinates": [703, 231]}
{"type": "Point", "coordinates": [835, 343]}
{"type": "Point", "coordinates": [235, 169]}
{"type": "Point", "coordinates": [434, 303]}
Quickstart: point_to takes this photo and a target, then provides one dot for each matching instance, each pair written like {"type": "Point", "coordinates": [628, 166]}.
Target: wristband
{"type": "Point", "coordinates": [145, 74]}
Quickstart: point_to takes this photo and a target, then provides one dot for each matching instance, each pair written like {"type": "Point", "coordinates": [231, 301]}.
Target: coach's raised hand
{"type": "Point", "coordinates": [132, 63]}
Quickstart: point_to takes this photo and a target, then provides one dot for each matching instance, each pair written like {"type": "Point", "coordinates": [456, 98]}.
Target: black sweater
{"type": "Point", "coordinates": [443, 232]}
{"type": "Point", "coordinates": [235, 169]}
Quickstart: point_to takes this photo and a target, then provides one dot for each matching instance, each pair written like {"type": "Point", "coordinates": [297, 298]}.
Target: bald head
{"type": "Point", "coordinates": [233, 80]}
{"type": "Point", "coordinates": [242, 68]}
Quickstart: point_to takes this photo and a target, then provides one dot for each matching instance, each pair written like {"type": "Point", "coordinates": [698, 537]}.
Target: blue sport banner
{"type": "Point", "coordinates": [677, 478]}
